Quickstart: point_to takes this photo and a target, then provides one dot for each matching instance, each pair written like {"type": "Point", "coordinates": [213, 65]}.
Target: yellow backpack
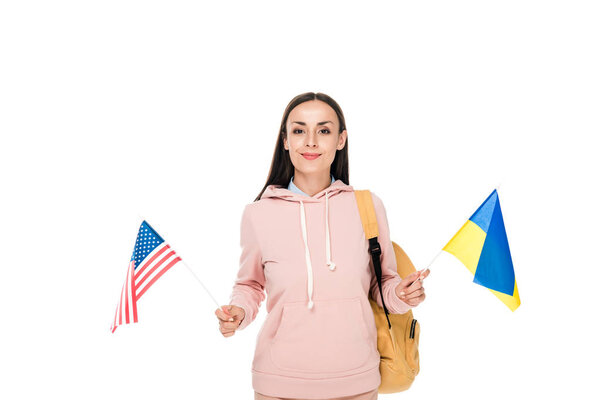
{"type": "Point", "coordinates": [397, 334]}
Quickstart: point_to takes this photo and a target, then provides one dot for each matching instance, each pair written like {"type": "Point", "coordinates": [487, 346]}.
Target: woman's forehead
{"type": "Point", "coordinates": [312, 112]}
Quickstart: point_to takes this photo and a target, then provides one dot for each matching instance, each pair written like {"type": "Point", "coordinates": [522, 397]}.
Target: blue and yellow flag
{"type": "Point", "coordinates": [482, 246]}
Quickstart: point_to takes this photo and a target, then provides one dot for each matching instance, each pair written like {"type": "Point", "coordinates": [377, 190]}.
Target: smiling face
{"type": "Point", "coordinates": [313, 128]}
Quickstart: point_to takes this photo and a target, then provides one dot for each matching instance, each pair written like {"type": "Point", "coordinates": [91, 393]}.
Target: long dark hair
{"type": "Point", "coordinates": [282, 169]}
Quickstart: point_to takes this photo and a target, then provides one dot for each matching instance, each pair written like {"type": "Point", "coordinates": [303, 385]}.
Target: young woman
{"type": "Point", "coordinates": [302, 240]}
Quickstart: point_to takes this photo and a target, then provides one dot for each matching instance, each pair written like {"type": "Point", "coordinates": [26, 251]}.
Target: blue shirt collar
{"type": "Point", "coordinates": [295, 189]}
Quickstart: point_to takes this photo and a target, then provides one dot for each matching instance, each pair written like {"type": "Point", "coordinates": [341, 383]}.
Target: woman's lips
{"type": "Point", "coordinates": [310, 156]}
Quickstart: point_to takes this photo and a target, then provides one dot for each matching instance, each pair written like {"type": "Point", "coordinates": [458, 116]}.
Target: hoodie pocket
{"type": "Point", "coordinates": [332, 337]}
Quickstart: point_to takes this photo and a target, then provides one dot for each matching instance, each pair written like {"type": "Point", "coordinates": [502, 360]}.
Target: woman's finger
{"type": "Point", "coordinates": [222, 316]}
{"type": "Point", "coordinates": [410, 289]}
{"type": "Point", "coordinates": [415, 285]}
{"type": "Point", "coordinates": [408, 280]}
{"type": "Point", "coordinates": [415, 301]}
{"type": "Point", "coordinates": [421, 298]}
{"type": "Point", "coordinates": [227, 333]}
{"type": "Point", "coordinates": [227, 329]}
{"type": "Point", "coordinates": [415, 293]}
{"type": "Point", "coordinates": [230, 325]}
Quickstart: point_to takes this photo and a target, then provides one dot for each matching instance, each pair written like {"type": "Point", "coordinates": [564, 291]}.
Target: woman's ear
{"type": "Point", "coordinates": [342, 139]}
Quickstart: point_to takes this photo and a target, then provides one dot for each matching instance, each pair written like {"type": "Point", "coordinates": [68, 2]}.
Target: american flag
{"type": "Point", "coordinates": [151, 258]}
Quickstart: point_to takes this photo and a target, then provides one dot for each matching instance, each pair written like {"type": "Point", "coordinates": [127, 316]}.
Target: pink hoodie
{"type": "Point", "coordinates": [319, 339]}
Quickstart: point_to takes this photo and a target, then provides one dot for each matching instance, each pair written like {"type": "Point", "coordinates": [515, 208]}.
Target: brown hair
{"type": "Point", "coordinates": [282, 169]}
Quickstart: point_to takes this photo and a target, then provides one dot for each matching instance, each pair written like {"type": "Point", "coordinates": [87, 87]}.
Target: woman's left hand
{"type": "Point", "coordinates": [411, 290]}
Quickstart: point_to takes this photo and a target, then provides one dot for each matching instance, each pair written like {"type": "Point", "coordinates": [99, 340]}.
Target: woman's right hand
{"type": "Point", "coordinates": [229, 320]}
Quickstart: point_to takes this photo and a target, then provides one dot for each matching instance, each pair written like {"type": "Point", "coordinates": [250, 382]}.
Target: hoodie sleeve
{"type": "Point", "coordinates": [248, 290]}
{"type": "Point", "coordinates": [389, 272]}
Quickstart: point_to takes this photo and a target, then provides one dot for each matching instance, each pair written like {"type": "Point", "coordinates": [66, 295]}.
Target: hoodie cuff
{"type": "Point", "coordinates": [396, 304]}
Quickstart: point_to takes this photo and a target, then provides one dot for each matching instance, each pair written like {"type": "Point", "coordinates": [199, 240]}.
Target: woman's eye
{"type": "Point", "coordinates": [297, 130]}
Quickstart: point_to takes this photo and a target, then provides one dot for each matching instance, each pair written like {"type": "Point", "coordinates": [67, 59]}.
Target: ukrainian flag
{"type": "Point", "coordinates": [482, 246]}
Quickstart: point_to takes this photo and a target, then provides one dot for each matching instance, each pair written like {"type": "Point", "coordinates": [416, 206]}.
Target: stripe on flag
{"type": "Point", "coordinates": [151, 258]}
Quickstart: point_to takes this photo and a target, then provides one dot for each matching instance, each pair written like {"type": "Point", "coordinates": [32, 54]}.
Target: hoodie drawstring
{"type": "Point", "coordinates": [307, 255]}
{"type": "Point", "coordinates": [330, 263]}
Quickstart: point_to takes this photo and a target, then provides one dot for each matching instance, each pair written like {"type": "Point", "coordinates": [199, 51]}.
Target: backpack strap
{"type": "Point", "coordinates": [369, 222]}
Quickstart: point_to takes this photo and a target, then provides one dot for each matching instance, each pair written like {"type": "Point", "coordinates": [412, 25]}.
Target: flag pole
{"type": "Point", "coordinates": [193, 273]}
{"type": "Point", "coordinates": [440, 252]}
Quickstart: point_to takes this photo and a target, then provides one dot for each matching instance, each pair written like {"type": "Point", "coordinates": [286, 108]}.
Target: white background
{"type": "Point", "coordinates": [169, 110]}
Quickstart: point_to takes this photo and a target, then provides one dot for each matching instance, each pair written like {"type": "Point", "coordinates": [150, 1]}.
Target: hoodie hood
{"type": "Point", "coordinates": [280, 192]}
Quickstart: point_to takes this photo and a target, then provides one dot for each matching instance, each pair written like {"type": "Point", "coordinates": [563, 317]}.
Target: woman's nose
{"type": "Point", "coordinates": [311, 139]}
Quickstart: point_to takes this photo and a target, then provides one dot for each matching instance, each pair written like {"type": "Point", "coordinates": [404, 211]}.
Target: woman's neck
{"type": "Point", "coordinates": [312, 184]}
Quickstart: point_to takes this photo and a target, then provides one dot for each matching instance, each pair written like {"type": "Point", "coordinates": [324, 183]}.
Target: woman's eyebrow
{"type": "Point", "coordinates": [318, 123]}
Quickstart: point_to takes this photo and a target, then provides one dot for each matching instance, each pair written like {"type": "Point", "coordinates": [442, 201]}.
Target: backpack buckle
{"type": "Point", "coordinates": [374, 247]}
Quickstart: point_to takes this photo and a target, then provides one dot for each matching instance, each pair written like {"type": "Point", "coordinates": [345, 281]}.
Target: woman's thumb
{"type": "Point", "coordinates": [409, 279]}
{"type": "Point", "coordinates": [226, 309]}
